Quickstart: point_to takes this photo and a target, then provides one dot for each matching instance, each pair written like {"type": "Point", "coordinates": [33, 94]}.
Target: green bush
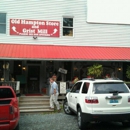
{"type": "Point", "coordinates": [95, 70]}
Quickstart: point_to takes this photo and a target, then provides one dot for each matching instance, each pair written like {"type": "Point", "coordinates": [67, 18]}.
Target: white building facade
{"type": "Point", "coordinates": [84, 34]}
{"type": "Point", "coordinates": [62, 23]}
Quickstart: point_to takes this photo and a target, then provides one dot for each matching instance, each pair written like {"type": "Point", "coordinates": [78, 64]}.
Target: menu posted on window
{"type": "Point", "coordinates": [23, 27]}
{"type": "Point", "coordinates": [62, 87]}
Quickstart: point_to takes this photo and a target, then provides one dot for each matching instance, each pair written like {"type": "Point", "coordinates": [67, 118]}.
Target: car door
{"type": "Point", "coordinates": [74, 95]}
{"type": "Point", "coordinates": [85, 93]}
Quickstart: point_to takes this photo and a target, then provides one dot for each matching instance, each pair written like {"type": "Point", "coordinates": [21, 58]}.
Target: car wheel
{"type": "Point", "coordinates": [82, 125]}
{"type": "Point", "coordinates": [17, 127]}
{"type": "Point", "coordinates": [126, 124]}
{"type": "Point", "coordinates": [66, 107]}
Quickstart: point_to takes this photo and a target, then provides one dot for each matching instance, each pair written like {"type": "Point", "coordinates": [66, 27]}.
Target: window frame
{"type": "Point", "coordinates": [74, 88]}
{"type": "Point", "coordinates": [107, 87]}
{"type": "Point", "coordinates": [4, 23]}
{"type": "Point", "coordinates": [6, 93]}
{"type": "Point", "coordinates": [68, 26]}
{"type": "Point", "coordinates": [87, 87]}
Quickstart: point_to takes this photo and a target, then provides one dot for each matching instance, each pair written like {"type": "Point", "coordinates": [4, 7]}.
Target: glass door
{"type": "Point", "coordinates": [33, 79]}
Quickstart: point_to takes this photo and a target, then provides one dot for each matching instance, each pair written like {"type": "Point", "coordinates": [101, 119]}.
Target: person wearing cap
{"type": "Point", "coordinates": [54, 95]}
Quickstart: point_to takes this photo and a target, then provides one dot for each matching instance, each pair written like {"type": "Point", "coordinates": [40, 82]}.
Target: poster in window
{"type": "Point", "coordinates": [62, 87]}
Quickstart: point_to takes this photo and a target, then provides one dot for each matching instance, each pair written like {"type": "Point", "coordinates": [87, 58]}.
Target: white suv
{"type": "Point", "coordinates": [98, 100]}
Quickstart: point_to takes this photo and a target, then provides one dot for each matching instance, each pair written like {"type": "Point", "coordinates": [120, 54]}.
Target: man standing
{"type": "Point", "coordinates": [54, 94]}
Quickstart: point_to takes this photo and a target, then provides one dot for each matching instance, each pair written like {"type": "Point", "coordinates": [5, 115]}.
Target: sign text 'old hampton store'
{"type": "Point", "coordinates": [34, 28]}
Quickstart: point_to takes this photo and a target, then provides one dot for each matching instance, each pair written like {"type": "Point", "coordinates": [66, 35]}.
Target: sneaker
{"type": "Point", "coordinates": [59, 110]}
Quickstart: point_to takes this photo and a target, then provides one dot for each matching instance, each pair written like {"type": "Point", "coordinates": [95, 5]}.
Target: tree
{"type": "Point", "coordinates": [95, 70]}
{"type": "Point", "coordinates": [128, 72]}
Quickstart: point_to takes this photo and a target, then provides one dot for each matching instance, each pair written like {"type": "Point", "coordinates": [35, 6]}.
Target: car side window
{"type": "Point", "coordinates": [6, 93]}
{"type": "Point", "coordinates": [85, 87]}
{"type": "Point", "coordinates": [76, 87]}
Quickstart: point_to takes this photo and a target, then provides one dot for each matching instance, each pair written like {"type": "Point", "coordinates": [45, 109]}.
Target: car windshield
{"type": "Point", "coordinates": [6, 93]}
{"type": "Point", "coordinates": [110, 87]}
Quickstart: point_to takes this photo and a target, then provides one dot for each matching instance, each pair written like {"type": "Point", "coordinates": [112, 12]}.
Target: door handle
{"type": "Point", "coordinates": [75, 97]}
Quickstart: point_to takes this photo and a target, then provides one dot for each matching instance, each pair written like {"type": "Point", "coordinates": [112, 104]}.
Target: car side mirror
{"type": "Point", "coordinates": [68, 90]}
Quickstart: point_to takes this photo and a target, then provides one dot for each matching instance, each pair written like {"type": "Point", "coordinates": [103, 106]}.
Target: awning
{"type": "Point", "coordinates": [56, 52]}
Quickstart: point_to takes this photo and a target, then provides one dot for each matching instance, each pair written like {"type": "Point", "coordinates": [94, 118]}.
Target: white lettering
{"type": "Point", "coordinates": [28, 30]}
{"type": "Point", "coordinates": [42, 31]}
{"type": "Point", "coordinates": [35, 26]}
{"type": "Point", "coordinates": [52, 23]}
{"type": "Point", "coordinates": [31, 22]}
{"type": "Point", "coordinates": [44, 34]}
{"type": "Point", "coordinates": [15, 21]}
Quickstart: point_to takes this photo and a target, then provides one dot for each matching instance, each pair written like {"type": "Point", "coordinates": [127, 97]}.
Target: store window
{"type": "Point", "coordinates": [3, 23]}
{"type": "Point", "coordinates": [68, 29]}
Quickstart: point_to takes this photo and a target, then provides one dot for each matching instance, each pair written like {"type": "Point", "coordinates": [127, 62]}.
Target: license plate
{"type": "Point", "coordinates": [113, 101]}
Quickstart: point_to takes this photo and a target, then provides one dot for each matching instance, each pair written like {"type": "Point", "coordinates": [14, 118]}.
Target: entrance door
{"type": "Point", "coordinates": [33, 79]}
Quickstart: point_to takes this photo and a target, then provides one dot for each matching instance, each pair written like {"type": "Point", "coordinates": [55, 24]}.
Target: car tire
{"type": "Point", "coordinates": [17, 127]}
{"type": "Point", "coordinates": [81, 124]}
{"type": "Point", "coordinates": [126, 124]}
{"type": "Point", "coordinates": [66, 107]}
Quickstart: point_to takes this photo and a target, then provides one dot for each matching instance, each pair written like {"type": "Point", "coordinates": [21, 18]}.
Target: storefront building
{"type": "Point", "coordinates": [39, 38]}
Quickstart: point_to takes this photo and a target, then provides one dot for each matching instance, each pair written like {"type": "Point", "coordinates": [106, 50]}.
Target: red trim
{"type": "Point", "coordinates": [22, 51]}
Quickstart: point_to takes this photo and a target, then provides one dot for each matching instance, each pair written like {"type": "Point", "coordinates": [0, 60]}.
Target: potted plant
{"type": "Point", "coordinates": [95, 70]}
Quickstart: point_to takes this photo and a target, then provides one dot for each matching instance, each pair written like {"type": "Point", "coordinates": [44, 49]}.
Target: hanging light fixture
{"type": "Point", "coordinates": [19, 65]}
{"type": "Point", "coordinates": [23, 68]}
{"type": "Point", "coordinates": [6, 65]}
{"type": "Point", "coordinates": [119, 68]}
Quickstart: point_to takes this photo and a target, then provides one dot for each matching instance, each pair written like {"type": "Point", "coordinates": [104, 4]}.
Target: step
{"type": "Point", "coordinates": [32, 104]}
{"type": "Point", "coordinates": [39, 98]}
{"type": "Point", "coordinates": [36, 110]}
{"type": "Point", "coordinates": [34, 107]}
{"type": "Point", "coordinates": [31, 100]}
{"type": "Point", "coordinates": [33, 97]}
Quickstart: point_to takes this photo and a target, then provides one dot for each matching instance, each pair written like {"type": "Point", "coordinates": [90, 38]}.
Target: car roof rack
{"type": "Point", "coordinates": [112, 79]}
{"type": "Point", "coordinates": [88, 79]}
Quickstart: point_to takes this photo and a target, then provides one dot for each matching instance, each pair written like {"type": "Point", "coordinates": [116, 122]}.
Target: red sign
{"type": "Point", "coordinates": [34, 28]}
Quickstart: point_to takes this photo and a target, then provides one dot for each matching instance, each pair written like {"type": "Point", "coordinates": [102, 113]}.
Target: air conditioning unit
{"type": "Point", "coordinates": [62, 71]}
